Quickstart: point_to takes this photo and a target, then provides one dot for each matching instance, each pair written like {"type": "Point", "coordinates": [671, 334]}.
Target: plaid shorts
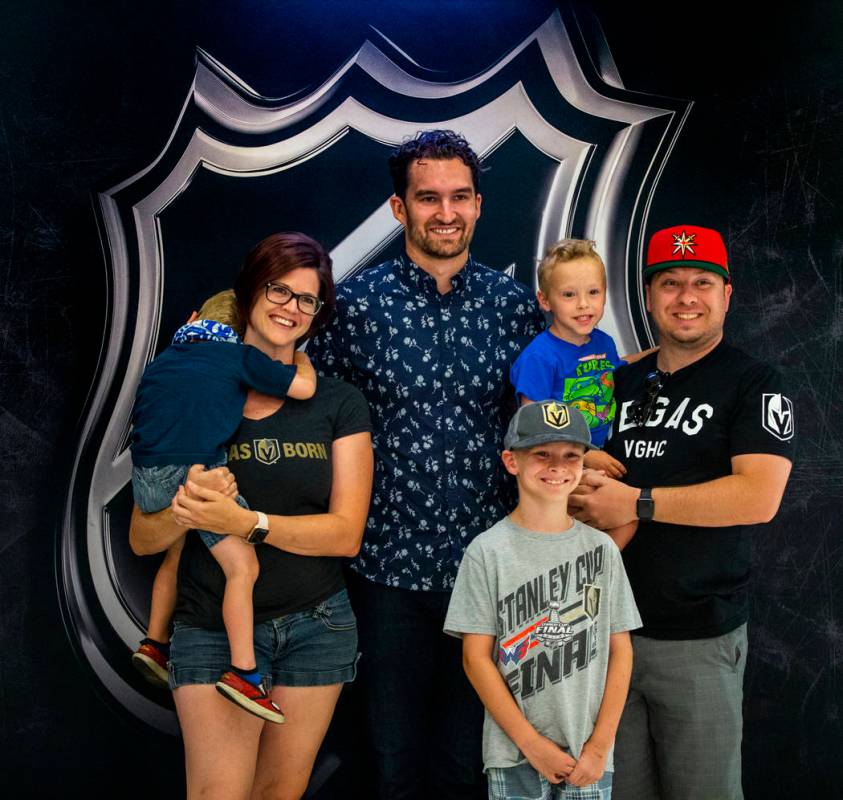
{"type": "Point", "coordinates": [524, 783]}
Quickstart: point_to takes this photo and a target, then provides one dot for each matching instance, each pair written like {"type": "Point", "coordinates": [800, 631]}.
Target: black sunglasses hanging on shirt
{"type": "Point", "coordinates": [643, 408]}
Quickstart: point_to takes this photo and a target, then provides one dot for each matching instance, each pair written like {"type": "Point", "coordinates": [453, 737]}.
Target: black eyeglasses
{"type": "Point", "coordinates": [644, 407]}
{"type": "Point", "coordinates": [280, 294]}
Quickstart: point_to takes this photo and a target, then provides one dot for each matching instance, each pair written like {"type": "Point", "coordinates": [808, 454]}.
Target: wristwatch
{"type": "Point", "coordinates": [260, 531]}
{"type": "Point", "coordinates": [644, 506]}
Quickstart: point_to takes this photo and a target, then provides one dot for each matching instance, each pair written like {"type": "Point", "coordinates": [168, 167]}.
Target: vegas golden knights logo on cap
{"type": "Point", "coordinates": [556, 415]}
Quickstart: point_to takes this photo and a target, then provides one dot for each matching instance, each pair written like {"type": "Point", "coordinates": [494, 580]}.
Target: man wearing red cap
{"type": "Point", "coordinates": [706, 435]}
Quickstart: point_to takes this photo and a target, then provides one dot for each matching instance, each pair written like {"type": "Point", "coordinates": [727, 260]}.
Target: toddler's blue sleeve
{"type": "Point", "coordinates": [613, 353]}
{"type": "Point", "coordinates": [262, 373]}
{"type": "Point", "coordinates": [532, 375]}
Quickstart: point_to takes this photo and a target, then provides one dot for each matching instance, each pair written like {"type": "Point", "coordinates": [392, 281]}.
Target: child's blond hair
{"type": "Point", "coordinates": [222, 307]}
{"type": "Point", "coordinates": [560, 253]}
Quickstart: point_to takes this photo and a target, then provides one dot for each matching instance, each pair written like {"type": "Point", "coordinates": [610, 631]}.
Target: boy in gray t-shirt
{"type": "Point", "coordinates": [544, 609]}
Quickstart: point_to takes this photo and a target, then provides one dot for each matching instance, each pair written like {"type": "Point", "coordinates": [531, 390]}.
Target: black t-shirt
{"type": "Point", "coordinates": [690, 582]}
{"type": "Point", "coordinates": [283, 466]}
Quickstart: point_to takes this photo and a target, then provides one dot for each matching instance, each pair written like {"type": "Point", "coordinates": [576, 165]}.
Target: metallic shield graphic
{"type": "Point", "coordinates": [556, 415]}
{"type": "Point", "coordinates": [569, 151]}
{"type": "Point", "coordinates": [777, 416]}
{"type": "Point", "coordinates": [591, 600]}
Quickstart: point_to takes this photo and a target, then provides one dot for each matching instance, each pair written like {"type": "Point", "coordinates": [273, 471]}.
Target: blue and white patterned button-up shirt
{"type": "Point", "coordinates": [434, 369]}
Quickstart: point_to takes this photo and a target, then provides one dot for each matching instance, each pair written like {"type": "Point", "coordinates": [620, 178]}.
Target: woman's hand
{"type": "Point", "coordinates": [196, 506]}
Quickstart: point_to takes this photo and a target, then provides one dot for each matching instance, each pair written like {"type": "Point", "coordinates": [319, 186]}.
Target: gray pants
{"type": "Point", "coordinates": [680, 733]}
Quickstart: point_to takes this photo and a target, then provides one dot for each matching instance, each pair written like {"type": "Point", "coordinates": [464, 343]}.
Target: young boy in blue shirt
{"type": "Point", "coordinates": [573, 360]}
{"type": "Point", "coordinates": [544, 609]}
{"type": "Point", "coordinates": [188, 405]}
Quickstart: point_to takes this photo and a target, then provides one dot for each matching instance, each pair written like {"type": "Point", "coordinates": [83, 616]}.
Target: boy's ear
{"type": "Point", "coordinates": [509, 462]}
{"type": "Point", "coordinates": [543, 304]}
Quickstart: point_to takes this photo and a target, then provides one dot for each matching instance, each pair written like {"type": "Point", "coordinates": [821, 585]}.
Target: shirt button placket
{"type": "Point", "coordinates": [449, 357]}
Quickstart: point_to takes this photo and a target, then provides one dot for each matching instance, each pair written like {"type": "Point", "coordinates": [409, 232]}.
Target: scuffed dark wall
{"type": "Point", "coordinates": [89, 97]}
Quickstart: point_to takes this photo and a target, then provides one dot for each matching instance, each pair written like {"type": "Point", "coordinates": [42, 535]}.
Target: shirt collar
{"type": "Point", "coordinates": [415, 278]}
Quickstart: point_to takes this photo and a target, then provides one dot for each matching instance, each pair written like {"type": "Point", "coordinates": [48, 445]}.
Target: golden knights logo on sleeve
{"type": "Point", "coordinates": [556, 415]}
{"type": "Point", "coordinates": [777, 416]}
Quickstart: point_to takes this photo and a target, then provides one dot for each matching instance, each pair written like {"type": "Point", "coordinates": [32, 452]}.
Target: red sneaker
{"type": "Point", "coordinates": [254, 699]}
{"type": "Point", "coordinates": [152, 664]}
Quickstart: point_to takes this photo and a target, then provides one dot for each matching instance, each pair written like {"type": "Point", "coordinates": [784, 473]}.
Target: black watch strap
{"type": "Point", "coordinates": [645, 508]}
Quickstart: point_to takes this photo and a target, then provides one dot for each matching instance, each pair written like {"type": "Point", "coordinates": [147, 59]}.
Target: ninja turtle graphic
{"type": "Point", "coordinates": [594, 396]}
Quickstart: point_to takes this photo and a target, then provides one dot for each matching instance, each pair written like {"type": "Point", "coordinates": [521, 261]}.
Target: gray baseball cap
{"type": "Point", "coordinates": [547, 421]}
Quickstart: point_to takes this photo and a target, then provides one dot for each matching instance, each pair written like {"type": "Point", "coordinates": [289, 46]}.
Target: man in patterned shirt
{"type": "Point", "coordinates": [429, 339]}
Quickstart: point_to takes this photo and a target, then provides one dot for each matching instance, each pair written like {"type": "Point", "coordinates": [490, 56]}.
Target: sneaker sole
{"type": "Point", "coordinates": [248, 705]}
{"type": "Point", "coordinates": [151, 670]}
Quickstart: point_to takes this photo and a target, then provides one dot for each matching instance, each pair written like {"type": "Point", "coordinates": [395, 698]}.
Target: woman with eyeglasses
{"type": "Point", "coordinates": [305, 468]}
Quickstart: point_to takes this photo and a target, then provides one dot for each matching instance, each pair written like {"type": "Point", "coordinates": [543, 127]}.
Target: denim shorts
{"type": "Point", "coordinates": [155, 487]}
{"type": "Point", "coordinates": [525, 783]}
{"type": "Point", "coordinates": [315, 647]}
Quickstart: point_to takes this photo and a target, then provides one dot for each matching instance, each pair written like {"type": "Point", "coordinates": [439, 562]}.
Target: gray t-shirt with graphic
{"type": "Point", "coordinates": [551, 600]}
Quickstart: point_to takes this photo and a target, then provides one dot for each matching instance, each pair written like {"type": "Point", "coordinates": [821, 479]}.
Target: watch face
{"type": "Point", "coordinates": [257, 535]}
{"type": "Point", "coordinates": [645, 507]}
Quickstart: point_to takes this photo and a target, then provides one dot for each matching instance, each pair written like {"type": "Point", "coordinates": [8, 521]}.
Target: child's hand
{"type": "Point", "coordinates": [219, 479]}
{"type": "Point", "coordinates": [600, 459]}
{"type": "Point", "coordinates": [549, 759]}
{"type": "Point", "coordinates": [590, 767]}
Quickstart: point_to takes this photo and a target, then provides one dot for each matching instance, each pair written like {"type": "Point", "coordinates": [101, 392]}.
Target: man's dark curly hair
{"type": "Point", "coordinates": [435, 145]}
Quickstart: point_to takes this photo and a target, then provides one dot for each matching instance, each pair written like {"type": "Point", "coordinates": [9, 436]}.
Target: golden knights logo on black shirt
{"type": "Point", "coordinates": [270, 451]}
{"type": "Point", "coordinates": [267, 450]}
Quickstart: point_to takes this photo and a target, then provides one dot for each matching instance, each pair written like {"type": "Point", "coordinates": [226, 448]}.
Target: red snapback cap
{"type": "Point", "coordinates": [687, 246]}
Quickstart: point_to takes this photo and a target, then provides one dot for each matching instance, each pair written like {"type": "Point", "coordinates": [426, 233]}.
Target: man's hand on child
{"type": "Point", "coordinates": [601, 460]}
{"type": "Point", "coordinates": [590, 766]}
{"type": "Point", "coordinates": [549, 759]}
{"type": "Point", "coordinates": [603, 502]}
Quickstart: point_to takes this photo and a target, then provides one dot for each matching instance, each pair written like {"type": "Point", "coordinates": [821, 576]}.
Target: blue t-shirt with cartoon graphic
{"type": "Point", "coordinates": [550, 368]}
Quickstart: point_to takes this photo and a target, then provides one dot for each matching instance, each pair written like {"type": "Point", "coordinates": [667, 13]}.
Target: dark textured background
{"type": "Point", "coordinates": [89, 95]}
